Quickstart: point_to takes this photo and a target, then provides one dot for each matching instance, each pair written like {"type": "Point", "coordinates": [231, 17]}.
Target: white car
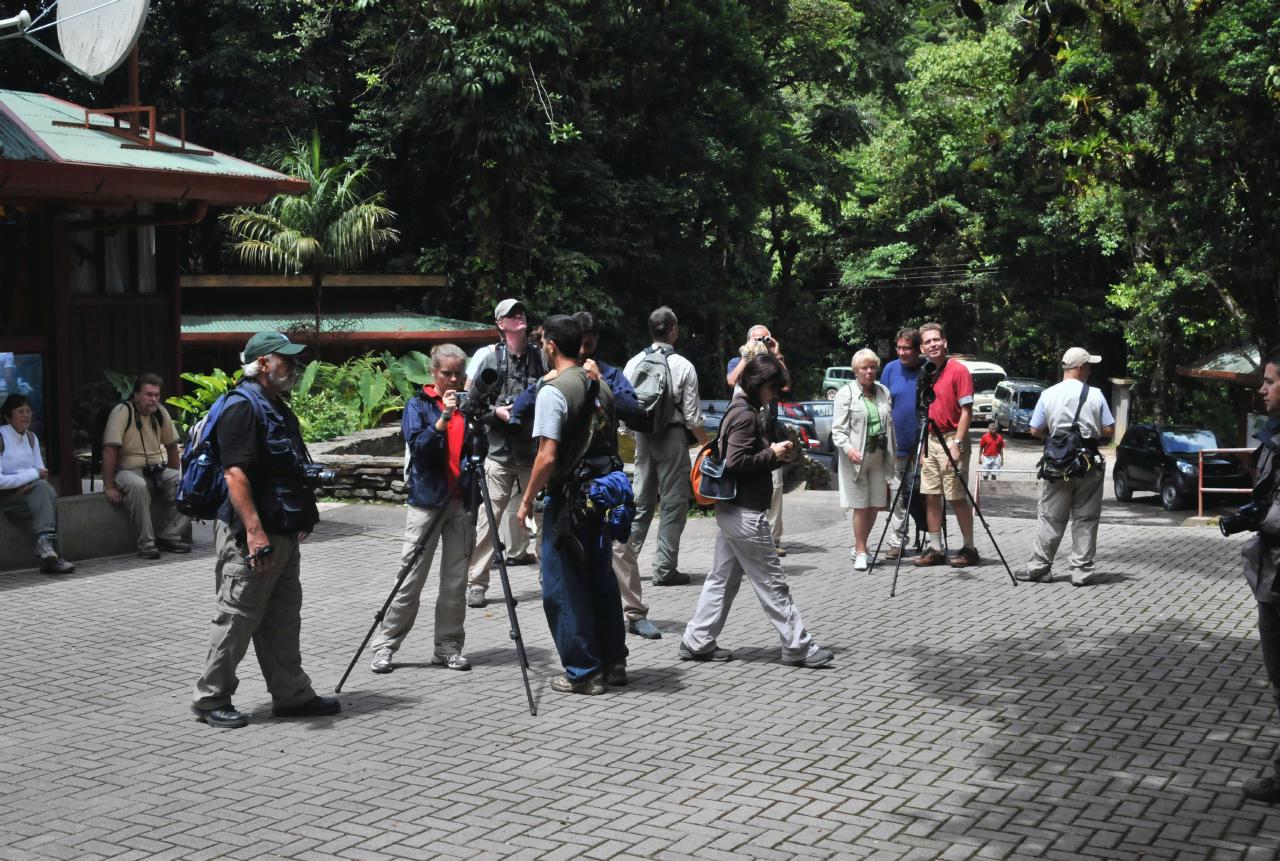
{"type": "Point", "coordinates": [986, 376]}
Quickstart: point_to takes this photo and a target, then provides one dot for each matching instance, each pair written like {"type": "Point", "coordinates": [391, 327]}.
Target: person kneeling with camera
{"type": "Point", "coordinates": [436, 439]}
{"type": "Point", "coordinates": [1262, 556]}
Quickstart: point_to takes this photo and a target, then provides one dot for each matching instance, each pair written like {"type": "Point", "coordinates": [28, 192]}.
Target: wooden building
{"type": "Point", "coordinates": [89, 214]}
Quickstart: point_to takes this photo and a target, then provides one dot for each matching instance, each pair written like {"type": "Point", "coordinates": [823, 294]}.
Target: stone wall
{"type": "Point", "coordinates": [368, 465]}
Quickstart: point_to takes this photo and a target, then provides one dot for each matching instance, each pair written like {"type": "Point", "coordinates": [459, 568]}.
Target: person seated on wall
{"type": "Point", "coordinates": [139, 460]}
{"type": "Point", "coordinates": [24, 485]}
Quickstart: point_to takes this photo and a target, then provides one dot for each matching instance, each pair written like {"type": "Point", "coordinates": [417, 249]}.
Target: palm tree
{"type": "Point", "coordinates": [331, 228]}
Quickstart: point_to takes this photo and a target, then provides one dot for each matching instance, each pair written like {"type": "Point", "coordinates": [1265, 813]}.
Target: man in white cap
{"type": "Point", "coordinates": [1071, 405]}
{"type": "Point", "coordinates": [511, 447]}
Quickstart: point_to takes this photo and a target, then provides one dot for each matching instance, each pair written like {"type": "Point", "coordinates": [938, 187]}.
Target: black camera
{"type": "Point", "coordinates": [475, 403]}
{"type": "Point", "coordinates": [154, 472]}
{"type": "Point", "coordinates": [317, 474]}
{"type": "Point", "coordinates": [1247, 518]}
{"type": "Point", "coordinates": [925, 395]}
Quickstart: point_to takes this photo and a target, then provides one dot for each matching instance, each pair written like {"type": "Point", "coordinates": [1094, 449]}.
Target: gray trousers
{"type": "Point", "coordinates": [454, 528]}
{"type": "Point", "coordinates": [40, 503]}
{"type": "Point", "coordinates": [744, 545]}
{"type": "Point", "coordinates": [261, 605]}
{"type": "Point", "coordinates": [1080, 501]}
{"type": "Point", "coordinates": [137, 502]}
{"type": "Point", "coordinates": [627, 569]}
{"type": "Point", "coordinates": [899, 513]}
{"type": "Point", "coordinates": [662, 484]}
{"type": "Point", "coordinates": [502, 480]}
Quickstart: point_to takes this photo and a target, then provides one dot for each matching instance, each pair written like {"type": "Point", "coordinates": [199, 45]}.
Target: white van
{"type": "Point", "coordinates": [986, 376]}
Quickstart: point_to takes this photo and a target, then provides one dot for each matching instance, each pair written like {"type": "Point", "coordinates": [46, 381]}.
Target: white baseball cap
{"type": "Point", "coordinates": [1077, 356]}
{"type": "Point", "coordinates": [506, 308]}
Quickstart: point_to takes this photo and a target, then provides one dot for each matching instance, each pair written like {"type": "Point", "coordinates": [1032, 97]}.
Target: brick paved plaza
{"type": "Point", "coordinates": [965, 718]}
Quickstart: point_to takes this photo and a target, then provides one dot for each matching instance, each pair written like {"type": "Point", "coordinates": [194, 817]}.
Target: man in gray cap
{"type": "Point", "coordinates": [1071, 405]}
{"type": "Point", "coordinates": [270, 509]}
{"type": "Point", "coordinates": [511, 447]}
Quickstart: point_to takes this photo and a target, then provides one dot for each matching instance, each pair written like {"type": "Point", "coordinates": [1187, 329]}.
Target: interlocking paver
{"type": "Point", "coordinates": [965, 717]}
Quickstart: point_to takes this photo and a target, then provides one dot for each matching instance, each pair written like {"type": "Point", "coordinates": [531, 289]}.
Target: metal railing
{"type": "Point", "coordinates": [1200, 477]}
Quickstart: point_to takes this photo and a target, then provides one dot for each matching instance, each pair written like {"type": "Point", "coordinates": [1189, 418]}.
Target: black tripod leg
{"type": "Point", "coordinates": [381, 614]}
{"type": "Point", "coordinates": [921, 451]}
{"type": "Point", "coordinates": [977, 511]}
{"type": "Point", "coordinates": [483, 488]}
{"type": "Point", "coordinates": [893, 506]}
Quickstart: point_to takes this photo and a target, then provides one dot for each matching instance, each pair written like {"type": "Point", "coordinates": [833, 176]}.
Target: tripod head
{"type": "Point", "coordinates": [925, 394]}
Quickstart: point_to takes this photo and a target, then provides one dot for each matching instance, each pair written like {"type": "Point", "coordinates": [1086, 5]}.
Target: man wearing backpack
{"type": "Point", "coordinates": [511, 446]}
{"type": "Point", "coordinates": [666, 387]}
{"type": "Point", "coordinates": [140, 458]}
{"type": "Point", "coordinates": [1077, 498]}
{"type": "Point", "coordinates": [270, 509]}
{"type": "Point", "coordinates": [576, 428]}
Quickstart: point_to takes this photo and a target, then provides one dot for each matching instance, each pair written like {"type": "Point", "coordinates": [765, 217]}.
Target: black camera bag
{"type": "Point", "coordinates": [1067, 454]}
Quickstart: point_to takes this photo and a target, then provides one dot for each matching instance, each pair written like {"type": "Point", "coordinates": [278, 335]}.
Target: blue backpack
{"type": "Point", "coordinates": [203, 489]}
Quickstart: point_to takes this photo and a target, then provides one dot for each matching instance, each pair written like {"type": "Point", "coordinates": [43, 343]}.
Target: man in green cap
{"type": "Point", "coordinates": [270, 509]}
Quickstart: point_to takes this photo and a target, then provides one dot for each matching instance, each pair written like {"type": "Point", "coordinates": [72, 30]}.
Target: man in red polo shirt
{"type": "Point", "coordinates": [951, 411]}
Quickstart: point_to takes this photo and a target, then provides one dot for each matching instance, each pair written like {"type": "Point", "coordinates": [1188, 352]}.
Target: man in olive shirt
{"type": "Point", "coordinates": [139, 461]}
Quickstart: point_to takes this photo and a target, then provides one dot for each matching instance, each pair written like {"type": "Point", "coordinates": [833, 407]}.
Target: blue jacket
{"type": "Point", "coordinates": [426, 475]}
{"type": "Point", "coordinates": [625, 405]}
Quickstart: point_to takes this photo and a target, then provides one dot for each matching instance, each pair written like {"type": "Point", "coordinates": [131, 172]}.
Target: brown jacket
{"type": "Point", "coordinates": [748, 457]}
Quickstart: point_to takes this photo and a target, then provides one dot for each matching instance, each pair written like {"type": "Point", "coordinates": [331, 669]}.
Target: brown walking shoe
{"type": "Point", "coordinates": [892, 553]}
{"type": "Point", "coordinates": [966, 557]}
{"type": "Point", "coordinates": [931, 557]}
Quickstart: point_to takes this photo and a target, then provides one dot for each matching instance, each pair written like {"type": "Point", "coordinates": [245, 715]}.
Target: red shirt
{"type": "Point", "coordinates": [953, 384]}
{"type": "Point", "coordinates": [991, 445]}
{"type": "Point", "coordinates": [454, 431]}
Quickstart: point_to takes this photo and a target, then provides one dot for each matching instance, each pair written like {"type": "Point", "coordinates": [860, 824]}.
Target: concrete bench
{"type": "Point", "coordinates": [88, 527]}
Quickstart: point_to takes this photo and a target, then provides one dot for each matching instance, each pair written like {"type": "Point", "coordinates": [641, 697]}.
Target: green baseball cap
{"type": "Point", "coordinates": [265, 343]}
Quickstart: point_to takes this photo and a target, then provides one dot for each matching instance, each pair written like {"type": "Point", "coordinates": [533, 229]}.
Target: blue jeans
{"type": "Point", "coordinates": [582, 602]}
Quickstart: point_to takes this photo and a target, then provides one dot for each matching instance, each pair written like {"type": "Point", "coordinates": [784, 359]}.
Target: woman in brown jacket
{"type": "Point", "coordinates": [745, 542]}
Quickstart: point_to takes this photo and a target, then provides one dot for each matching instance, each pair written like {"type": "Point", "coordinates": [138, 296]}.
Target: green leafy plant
{"type": "Point", "coordinates": [207, 389]}
{"type": "Point", "coordinates": [322, 416]}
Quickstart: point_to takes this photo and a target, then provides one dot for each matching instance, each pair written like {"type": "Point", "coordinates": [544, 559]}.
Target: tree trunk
{"type": "Point", "coordinates": [317, 293]}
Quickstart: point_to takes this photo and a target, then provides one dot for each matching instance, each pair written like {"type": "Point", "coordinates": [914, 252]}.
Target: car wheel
{"type": "Point", "coordinates": [1170, 499]}
{"type": "Point", "coordinates": [831, 394]}
{"type": "Point", "coordinates": [1120, 481]}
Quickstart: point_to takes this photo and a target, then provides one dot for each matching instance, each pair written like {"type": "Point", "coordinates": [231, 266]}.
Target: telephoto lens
{"type": "Point", "coordinates": [1246, 518]}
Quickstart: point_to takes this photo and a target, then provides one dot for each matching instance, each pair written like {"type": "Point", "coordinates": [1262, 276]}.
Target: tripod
{"type": "Point", "coordinates": [913, 470]}
{"type": "Point", "coordinates": [472, 465]}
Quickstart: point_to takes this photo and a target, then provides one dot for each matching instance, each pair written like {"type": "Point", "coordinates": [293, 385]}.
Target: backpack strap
{"type": "Point", "coordinates": [31, 441]}
{"type": "Point", "coordinates": [1084, 396]}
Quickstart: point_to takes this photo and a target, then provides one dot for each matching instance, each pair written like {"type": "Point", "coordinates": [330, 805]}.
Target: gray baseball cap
{"type": "Point", "coordinates": [506, 308]}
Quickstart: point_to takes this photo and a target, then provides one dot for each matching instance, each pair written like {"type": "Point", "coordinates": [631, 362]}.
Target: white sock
{"type": "Point", "coordinates": [935, 540]}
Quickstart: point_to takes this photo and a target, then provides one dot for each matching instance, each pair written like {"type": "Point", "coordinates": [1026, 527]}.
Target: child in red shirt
{"type": "Point", "coordinates": [992, 448]}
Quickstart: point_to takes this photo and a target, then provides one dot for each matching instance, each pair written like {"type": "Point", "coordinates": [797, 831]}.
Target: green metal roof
{"type": "Point", "coordinates": [39, 112]}
{"type": "Point", "coordinates": [390, 322]}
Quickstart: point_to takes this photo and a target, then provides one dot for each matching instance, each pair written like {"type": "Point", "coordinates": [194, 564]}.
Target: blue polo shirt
{"type": "Point", "coordinates": [901, 383]}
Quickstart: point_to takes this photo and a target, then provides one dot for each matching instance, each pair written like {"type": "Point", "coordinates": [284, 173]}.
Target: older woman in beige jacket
{"type": "Point", "coordinates": [862, 433]}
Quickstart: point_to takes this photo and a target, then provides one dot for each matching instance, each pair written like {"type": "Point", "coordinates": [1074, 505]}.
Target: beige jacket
{"type": "Point", "coordinates": [849, 424]}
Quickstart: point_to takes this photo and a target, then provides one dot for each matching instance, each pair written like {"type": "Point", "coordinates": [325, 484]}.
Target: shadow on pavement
{"type": "Point", "coordinates": [1133, 742]}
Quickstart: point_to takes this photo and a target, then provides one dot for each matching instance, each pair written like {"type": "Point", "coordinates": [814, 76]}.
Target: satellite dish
{"type": "Point", "coordinates": [96, 36]}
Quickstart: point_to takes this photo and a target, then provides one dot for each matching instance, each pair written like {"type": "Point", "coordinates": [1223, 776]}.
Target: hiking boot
{"type": "Point", "coordinates": [522, 559]}
{"type": "Point", "coordinates": [1264, 789]}
{"type": "Point", "coordinates": [644, 628]}
{"type": "Point", "coordinates": [780, 550]}
{"type": "Point", "coordinates": [893, 553]}
{"type": "Point", "coordinates": [591, 685]}
{"type": "Point", "coordinates": [317, 706]}
{"type": "Point", "coordinates": [616, 675]}
{"type": "Point", "coordinates": [475, 596]}
{"type": "Point", "coordinates": [382, 661]}
{"type": "Point", "coordinates": [964, 558]}
{"type": "Point", "coordinates": [1028, 577]}
{"type": "Point", "coordinates": [453, 662]}
{"type": "Point", "coordinates": [817, 657]}
{"type": "Point", "coordinates": [56, 565]}
{"type": "Point", "coordinates": [718, 655]}
{"type": "Point", "coordinates": [46, 546]}
{"type": "Point", "coordinates": [149, 552]}
{"type": "Point", "coordinates": [173, 546]}
{"type": "Point", "coordinates": [931, 557]}
{"type": "Point", "coordinates": [675, 578]}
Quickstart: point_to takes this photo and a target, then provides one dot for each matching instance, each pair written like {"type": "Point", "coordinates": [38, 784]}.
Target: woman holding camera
{"type": "Point", "coordinates": [744, 544]}
{"type": "Point", "coordinates": [862, 431]}
{"type": "Point", "coordinates": [24, 486]}
{"type": "Point", "coordinates": [436, 439]}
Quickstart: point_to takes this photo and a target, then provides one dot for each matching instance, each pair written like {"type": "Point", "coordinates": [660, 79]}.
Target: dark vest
{"type": "Point", "coordinates": [281, 492]}
{"type": "Point", "coordinates": [589, 433]}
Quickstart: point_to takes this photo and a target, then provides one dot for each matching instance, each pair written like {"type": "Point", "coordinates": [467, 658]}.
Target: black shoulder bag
{"type": "Point", "coordinates": [1067, 454]}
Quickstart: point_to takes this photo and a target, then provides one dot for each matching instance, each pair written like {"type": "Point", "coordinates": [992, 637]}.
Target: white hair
{"type": "Point", "coordinates": [250, 369]}
{"type": "Point", "coordinates": [864, 357]}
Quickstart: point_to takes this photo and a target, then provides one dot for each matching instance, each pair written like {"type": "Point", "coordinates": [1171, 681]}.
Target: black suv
{"type": "Point", "coordinates": [1165, 458]}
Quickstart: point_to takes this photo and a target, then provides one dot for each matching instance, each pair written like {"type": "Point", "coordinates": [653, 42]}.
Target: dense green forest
{"type": "Point", "coordinates": [1032, 174]}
